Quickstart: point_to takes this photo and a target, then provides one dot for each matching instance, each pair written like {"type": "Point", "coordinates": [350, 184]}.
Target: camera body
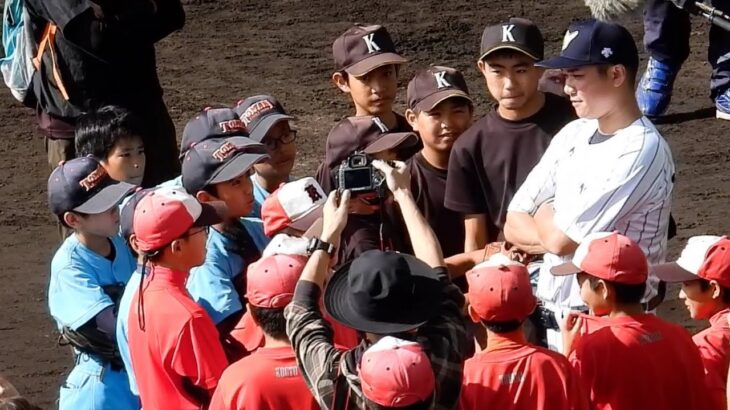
{"type": "Point", "coordinates": [357, 174]}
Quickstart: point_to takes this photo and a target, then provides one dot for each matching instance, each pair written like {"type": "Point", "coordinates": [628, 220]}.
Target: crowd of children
{"type": "Point", "coordinates": [238, 286]}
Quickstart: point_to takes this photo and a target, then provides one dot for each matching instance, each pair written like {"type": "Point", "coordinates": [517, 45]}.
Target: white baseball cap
{"type": "Point", "coordinates": [704, 257]}
{"type": "Point", "coordinates": [297, 204]}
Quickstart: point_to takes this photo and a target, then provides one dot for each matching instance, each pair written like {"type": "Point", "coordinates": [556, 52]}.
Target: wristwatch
{"type": "Point", "coordinates": [316, 244]}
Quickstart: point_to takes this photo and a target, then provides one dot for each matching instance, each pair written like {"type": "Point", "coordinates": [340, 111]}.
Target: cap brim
{"type": "Point", "coordinates": [565, 269]}
{"type": "Point", "coordinates": [430, 102]}
{"type": "Point", "coordinates": [522, 50]}
{"type": "Point", "coordinates": [562, 62]}
{"type": "Point", "coordinates": [415, 313]}
{"type": "Point", "coordinates": [369, 64]}
{"type": "Point", "coordinates": [237, 166]}
{"type": "Point", "coordinates": [672, 272]}
{"type": "Point", "coordinates": [248, 333]}
{"type": "Point", "coordinates": [393, 140]}
{"type": "Point", "coordinates": [212, 213]}
{"type": "Point", "coordinates": [315, 230]}
{"type": "Point", "coordinates": [259, 132]}
{"type": "Point", "coordinates": [106, 198]}
{"type": "Point", "coordinates": [304, 222]}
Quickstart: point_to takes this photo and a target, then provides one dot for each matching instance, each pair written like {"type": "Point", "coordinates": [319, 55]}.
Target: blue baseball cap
{"type": "Point", "coordinates": [219, 160]}
{"type": "Point", "coordinates": [593, 42]}
{"type": "Point", "coordinates": [211, 123]}
{"type": "Point", "coordinates": [259, 113]}
{"type": "Point", "coordinates": [82, 185]}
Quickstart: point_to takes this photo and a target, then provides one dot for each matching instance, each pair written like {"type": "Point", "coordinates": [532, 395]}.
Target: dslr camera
{"type": "Point", "coordinates": [357, 174]}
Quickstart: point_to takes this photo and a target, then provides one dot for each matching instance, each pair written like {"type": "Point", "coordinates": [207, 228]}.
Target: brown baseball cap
{"type": "Point", "coordinates": [516, 34]}
{"type": "Point", "coordinates": [362, 49]}
{"type": "Point", "coordinates": [364, 133]}
{"type": "Point", "coordinates": [435, 84]}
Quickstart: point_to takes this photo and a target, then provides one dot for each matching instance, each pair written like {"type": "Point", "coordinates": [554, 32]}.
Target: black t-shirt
{"type": "Point", "coordinates": [493, 157]}
{"type": "Point", "coordinates": [428, 185]}
{"type": "Point", "coordinates": [102, 56]}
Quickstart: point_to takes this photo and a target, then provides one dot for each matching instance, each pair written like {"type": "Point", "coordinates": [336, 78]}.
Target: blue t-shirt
{"type": "Point", "coordinates": [122, 334]}
{"type": "Point", "coordinates": [253, 223]}
{"type": "Point", "coordinates": [75, 293]}
{"type": "Point", "coordinates": [211, 284]}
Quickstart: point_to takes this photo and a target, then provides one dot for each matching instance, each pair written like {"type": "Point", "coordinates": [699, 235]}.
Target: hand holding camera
{"type": "Point", "coordinates": [397, 177]}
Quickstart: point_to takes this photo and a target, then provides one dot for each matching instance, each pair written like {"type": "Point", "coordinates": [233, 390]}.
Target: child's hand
{"type": "Point", "coordinates": [573, 328]}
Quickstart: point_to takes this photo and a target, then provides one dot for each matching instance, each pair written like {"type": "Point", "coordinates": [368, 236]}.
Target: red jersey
{"type": "Point", "coordinates": [268, 379]}
{"type": "Point", "coordinates": [640, 362]}
{"type": "Point", "coordinates": [714, 345]}
{"type": "Point", "coordinates": [517, 376]}
{"type": "Point", "coordinates": [178, 352]}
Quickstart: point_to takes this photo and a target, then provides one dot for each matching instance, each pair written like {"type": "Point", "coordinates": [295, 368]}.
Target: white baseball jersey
{"type": "Point", "coordinates": [622, 183]}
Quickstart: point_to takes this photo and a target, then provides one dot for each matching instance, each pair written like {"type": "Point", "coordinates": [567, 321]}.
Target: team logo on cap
{"type": "Point", "coordinates": [607, 52]}
{"type": "Point", "coordinates": [255, 111]}
{"type": "Point", "coordinates": [225, 151]}
{"type": "Point", "coordinates": [370, 42]}
{"type": "Point", "coordinates": [232, 125]}
{"type": "Point", "coordinates": [313, 193]}
{"type": "Point", "coordinates": [569, 37]}
{"type": "Point", "coordinates": [93, 179]}
{"type": "Point", "coordinates": [441, 80]}
{"type": "Point", "coordinates": [507, 33]}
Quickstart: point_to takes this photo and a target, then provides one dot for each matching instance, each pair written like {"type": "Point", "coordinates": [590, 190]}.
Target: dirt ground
{"type": "Point", "coordinates": [230, 49]}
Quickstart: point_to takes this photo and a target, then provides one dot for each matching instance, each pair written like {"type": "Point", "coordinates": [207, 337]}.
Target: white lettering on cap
{"type": "Point", "coordinates": [569, 37]}
{"type": "Point", "coordinates": [441, 79]}
{"type": "Point", "coordinates": [507, 33]}
{"type": "Point", "coordinates": [372, 45]}
{"type": "Point", "coordinates": [607, 52]}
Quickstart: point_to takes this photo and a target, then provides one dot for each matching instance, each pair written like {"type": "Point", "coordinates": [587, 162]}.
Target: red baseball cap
{"type": "Point", "coordinates": [396, 373]}
{"type": "Point", "coordinates": [297, 204]}
{"type": "Point", "coordinates": [166, 214]}
{"type": "Point", "coordinates": [500, 290]}
{"type": "Point", "coordinates": [609, 256]}
{"type": "Point", "coordinates": [270, 282]}
{"type": "Point", "coordinates": [705, 257]}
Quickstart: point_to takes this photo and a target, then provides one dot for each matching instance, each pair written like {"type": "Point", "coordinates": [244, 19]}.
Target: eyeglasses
{"type": "Point", "coordinates": [190, 233]}
{"type": "Point", "coordinates": [273, 142]}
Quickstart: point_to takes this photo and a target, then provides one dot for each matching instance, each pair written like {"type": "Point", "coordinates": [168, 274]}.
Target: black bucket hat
{"type": "Point", "coordinates": [384, 293]}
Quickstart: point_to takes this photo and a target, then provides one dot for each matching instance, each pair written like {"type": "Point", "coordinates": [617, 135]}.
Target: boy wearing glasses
{"type": "Point", "coordinates": [173, 344]}
{"type": "Point", "coordinates": [219, 169]}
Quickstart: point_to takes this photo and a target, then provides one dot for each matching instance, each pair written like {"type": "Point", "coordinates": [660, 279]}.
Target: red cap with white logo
{"type": "Point", "coordinates": [297, 204]}
{"type": "Point", "coordinates": [396, 373]}
{"type": "Point", "coordinates": [166, 214]}
{"type": "Point", "coordinates": [609, 256]}
{"type": "Point", "coordinates": [705, 257]}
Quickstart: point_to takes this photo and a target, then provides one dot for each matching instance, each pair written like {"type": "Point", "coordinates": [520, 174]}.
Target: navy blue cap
{"type": "Point", "coordinates": [82, 185]}
{"type": "Point", "coordinates": [211, 123]}
{"type": "Point", "coordinates": [126, 211]}
{"type": "Point", "coordinates": [259, 113]}
{"type": "Point", "coordinates": [593, 42]}
{"type": "Point", "coordinates": [218, 160]}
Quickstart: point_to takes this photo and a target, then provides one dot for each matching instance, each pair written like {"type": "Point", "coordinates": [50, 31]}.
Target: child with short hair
{"type": "Point", "coordinates": [174, 346]}
{"type": "Point", "coordinates": [703, 269]}
{"type": "Point", "coordinates": [113, 136]}
{"type": "Point", "coordinates": [87, 274]}
{"type": "Point", "coordinates": [269, 378]}
{"type": "Point", "coordinates": [219, 169]}
{"type": "Point", "coordinates": [627, 359]}
{"type": "Point", "coordinates": [510, 372]}
{"type": "Point", "coordinates": [366, 68]}
{"type": "Point", "coordinates": [439, 110]}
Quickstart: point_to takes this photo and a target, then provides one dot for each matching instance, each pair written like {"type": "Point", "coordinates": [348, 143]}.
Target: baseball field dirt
{"type": "Point", "coordinates": [230, 49]}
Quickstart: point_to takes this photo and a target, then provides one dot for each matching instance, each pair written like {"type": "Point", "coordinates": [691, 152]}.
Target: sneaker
{"type": "Point", "coordinates": [722, 104]}
{"type": "Point", "coordinates": [655, 88]}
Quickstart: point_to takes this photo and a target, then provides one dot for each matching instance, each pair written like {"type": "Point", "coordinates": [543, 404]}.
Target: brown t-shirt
{"type": "Point", "coordinates": [428, 185]}
{"type": "Point", "coordinates": [493, 157]}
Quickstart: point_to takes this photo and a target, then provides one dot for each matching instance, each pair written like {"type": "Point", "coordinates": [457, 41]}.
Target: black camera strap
{"type": "Point", "coordinates": [384, 231]}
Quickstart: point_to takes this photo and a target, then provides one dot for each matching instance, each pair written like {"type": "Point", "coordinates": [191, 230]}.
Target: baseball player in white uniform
{"type": "Point", "coordinates": [610, 170]}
